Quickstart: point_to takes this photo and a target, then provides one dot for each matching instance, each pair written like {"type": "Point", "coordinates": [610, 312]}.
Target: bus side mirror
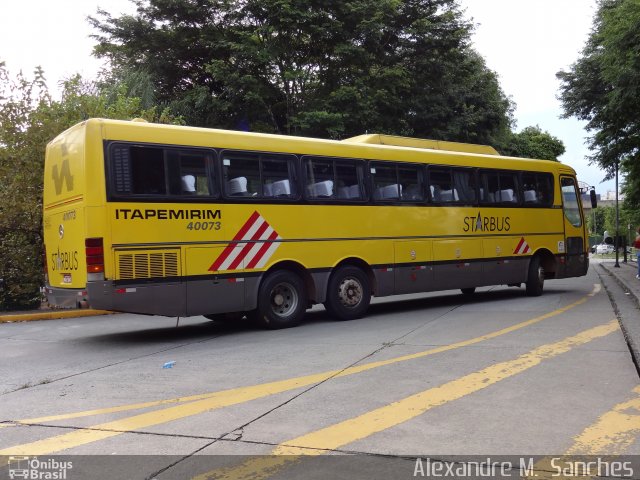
{"type": "Point", "coordinates": [594, 200]}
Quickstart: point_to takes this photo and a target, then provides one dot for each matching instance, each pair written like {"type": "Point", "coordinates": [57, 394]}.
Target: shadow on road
{"type": "Point", "coordinates": [208, 330]}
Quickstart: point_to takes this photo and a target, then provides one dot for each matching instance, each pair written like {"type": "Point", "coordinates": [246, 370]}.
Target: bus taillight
{"type": "Point", "coordinates": [95, 255]}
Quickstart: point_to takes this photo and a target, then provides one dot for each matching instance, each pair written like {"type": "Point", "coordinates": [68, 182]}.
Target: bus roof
{"type": "Point", "coordinates": [397, 141]}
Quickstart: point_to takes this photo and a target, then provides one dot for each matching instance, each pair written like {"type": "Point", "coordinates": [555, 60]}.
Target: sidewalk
{"type": "Point", "coordinates": [625, 275]}
{"type": "Point", "coordinates": [9, 317]}
{"type": "Point", "coordinates": [628, 312]}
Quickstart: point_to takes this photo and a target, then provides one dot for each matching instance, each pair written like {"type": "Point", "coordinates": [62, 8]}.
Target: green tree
{"type": "Point", "coordinates": [310, 67]}
{"type": "Point", "coordinates": [603, 88]}
{"type": "Point", "coordinates": [532, 142]}
{"type": "Point", "coordinates": [29, 119]}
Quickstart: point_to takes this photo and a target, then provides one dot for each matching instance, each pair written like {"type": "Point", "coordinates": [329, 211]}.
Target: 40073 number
{"type": "Point", "coordinates": [204, 225]}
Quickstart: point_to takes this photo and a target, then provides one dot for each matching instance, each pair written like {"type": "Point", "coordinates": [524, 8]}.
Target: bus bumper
{"type": "Point", "coordinates": [66, 297]}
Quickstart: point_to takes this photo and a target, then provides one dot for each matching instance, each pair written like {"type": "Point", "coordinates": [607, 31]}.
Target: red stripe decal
{"type": "Point", "coordinates": [265, 246]}
{"type": "Point", "coordinates": [229, 248]}
{"type": "Point", "coordinates": [517, 250]}
{"type": "Point", "coordinates": [248, 246]}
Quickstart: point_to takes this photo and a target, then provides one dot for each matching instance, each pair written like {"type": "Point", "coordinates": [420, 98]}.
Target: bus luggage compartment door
{"type": "Point", "coordinates": [209, 291]}
{"type": "Point", "coordinates": [413, 271]}
{"type": "Point", "coordinates": [456, 263]}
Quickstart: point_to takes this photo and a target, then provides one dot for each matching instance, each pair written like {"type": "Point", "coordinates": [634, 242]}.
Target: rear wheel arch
{"type": "Point", "coordinates": [362, 265]}
{"type": "Point", "coordinates": [547, 261]}
{"type": "Point", "coordinates": [301, 271]}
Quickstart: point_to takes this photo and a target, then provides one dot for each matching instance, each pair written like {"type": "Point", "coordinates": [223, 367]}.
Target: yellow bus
{"type": "Point", "coordinates": [181, 221]}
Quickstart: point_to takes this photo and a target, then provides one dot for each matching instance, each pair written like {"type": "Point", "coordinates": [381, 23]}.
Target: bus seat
{"type": "Point", "coordinates": [267, 189]}
{"type": "Point", "coordinates": [281, 187]}
{"type": "Point", "coordinates": [188, 184]}
{"type": "Point", "coordinates": [449, 195]}
{"type": "Point", "coordinates": [505, 195]}
{"type": "Point", "coordinates": [389, 192]}
{"type": "Point", "coordinates": [530, 196]}
{"type": "Point", "coordinates": [321, 189]}
{"type": "Point", "coordinates": [237, 186]}
{"type": "Point", "coordinates": [354, 191]}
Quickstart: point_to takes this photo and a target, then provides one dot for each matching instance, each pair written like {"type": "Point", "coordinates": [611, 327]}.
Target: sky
{"type": "Point", "coordinates": [524, 41]}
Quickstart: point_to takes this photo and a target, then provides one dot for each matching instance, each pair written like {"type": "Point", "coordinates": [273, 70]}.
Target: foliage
{"type": "Point", "coordinates": [603, 88]}
{"type": "Point", "coordinates": [603, 219]}
{"type": "Point", "coordinates": [532, 142]}
{"type": "Point", "coordinates": [29, 119]}
{"type": "Point", "coordinates": [310, 67]}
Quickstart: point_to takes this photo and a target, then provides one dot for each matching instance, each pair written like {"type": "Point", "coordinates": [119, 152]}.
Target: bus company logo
{"type": "Point", "coordinates": [481, 223]}
{"type": "Point", "coordinates": [522, 248]}
{"type": "Point", "coordinates": [62, 176]}
{"type": "Point", "coordinates": [34, 468]}
{"type": "Point", "coordinates": [254, 244]}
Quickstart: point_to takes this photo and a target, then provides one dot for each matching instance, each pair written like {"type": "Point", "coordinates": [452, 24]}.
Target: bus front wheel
{"type": "Point", "coordinates": [535, 278]}
{"type": "Point", "coordinates": [282, 300]}
{"type": "Point", "coordinates": [349, 293]}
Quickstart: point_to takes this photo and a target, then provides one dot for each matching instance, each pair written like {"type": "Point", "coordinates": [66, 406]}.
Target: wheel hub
{"type": "Point", "coordinates": [350, 292]}
{"type": "Point", "coordinates": [284, 299]}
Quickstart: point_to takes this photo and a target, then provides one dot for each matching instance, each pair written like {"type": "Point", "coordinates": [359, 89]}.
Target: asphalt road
{"type": "Point", "coordinates": [421, 378]}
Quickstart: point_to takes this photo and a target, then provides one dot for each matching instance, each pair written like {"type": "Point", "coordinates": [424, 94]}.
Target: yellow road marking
{"type": "Point", "coordinates": [348, 371]}
{"type": "Point", "coordinates": [610, 435]}
{"type": "Point", "coordinates": [613, 432]}
{"type": "Point", "coordinates": [210, 401]}
{"type": "Point", "coordinates": [362, 426]}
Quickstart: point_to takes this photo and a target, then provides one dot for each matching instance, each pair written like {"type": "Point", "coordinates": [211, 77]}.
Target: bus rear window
{"type": "Point", "coordinates": [142, 170]}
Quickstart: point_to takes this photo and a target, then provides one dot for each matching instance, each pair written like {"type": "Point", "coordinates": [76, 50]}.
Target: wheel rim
{"type": "Point", "coordinates": [540, 275]}
{"type": "Point", "coordinates": [283, 299]}
{"type": "Point", "coordinates": [350, 292]}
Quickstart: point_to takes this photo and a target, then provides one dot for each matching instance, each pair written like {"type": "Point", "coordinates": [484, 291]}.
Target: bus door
{"type": "Point", "coordinates": [573, 247]}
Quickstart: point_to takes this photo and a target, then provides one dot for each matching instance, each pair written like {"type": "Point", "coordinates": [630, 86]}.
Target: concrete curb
{"type": "Point", "coordinates": [50, 315]}
{"type": "Point", "coordinates": [626, 306]}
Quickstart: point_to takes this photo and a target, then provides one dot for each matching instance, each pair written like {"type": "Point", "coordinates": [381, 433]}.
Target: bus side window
{"type": "Point", "coordinates": [509, 191]}
{"type": "Point", "coordinates": [349, 179]}
{"type": "Point", "coordinates": [411, 183]}
{"type": "Point", "coordinates": [544, 181]}
{"type": "Point", "coordinates": [385, 182]}
{"type": "Point", "coordinates": [530, 190]}
{"type": "Point", "coordinates": [188, 173]}
{"type": "Point", "coordinates": [489, 184]}
{"type": "Point", "coordinates": [319, 178]}
{"type": "Point", "coordinates": [279, 179]}
{"type": "Point", "coordinates": [147, 171]}
{"type": "Point", "coordinates": [241, 174]}
{"type": "Point", "coordinates": [443, 189]}
{"type": "Point", "coordinates": [334, 179]}
{"type": "Point", "coordinates": [464, 185]}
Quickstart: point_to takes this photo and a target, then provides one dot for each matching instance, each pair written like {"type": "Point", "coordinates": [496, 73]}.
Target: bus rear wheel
{"type": "Point", "coordinates": [282, 300]}
{"type": "Point", "coordinates": [349, 293]}
{"type": "Point", "coordinates": [535, 278]}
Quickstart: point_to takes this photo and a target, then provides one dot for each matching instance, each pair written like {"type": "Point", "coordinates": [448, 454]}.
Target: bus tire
{"type": "Point", "coordinates": [282, 300]}
{"type": "Point", "coordinates": [348, 294]}
{"type": "Point", "coordinates": [468, 290]}
{"type": "Point", "coordinates": [535, 278]}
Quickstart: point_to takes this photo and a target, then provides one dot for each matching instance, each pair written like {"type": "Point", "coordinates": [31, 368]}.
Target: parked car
{"type": "Point", "coordinates": [604, 248]}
